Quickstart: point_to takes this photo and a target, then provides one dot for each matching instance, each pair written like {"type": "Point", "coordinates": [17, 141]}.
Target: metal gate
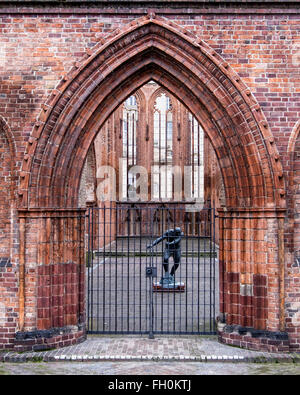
{"type": "Point", "coordinates": [128, 289]}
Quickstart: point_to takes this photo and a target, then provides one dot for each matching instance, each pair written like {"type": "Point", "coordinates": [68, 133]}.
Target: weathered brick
{"type": "Point", "coordinates": [245, 72]}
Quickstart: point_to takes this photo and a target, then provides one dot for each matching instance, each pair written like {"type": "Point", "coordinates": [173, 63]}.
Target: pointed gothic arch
{"type": "Point", "coordinates": [152, 48]}
{"type": "Point", "coordinates": [190, 70]}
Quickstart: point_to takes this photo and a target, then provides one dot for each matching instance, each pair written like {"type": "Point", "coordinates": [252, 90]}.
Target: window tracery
{"type": "Point", "coordinates": [162, 147]}
{"type": "Point", "coordinates": [129, 145]}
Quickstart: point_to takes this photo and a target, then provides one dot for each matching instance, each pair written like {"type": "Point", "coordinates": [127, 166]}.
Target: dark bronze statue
{"type": "Point", "coordinates": [172, 249]}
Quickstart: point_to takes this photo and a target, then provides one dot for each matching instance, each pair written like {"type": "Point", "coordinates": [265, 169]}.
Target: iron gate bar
{"type": "Point", "coordinates": [119, 300]}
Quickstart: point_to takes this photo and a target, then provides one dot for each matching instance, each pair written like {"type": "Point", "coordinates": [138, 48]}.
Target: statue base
{"type": "Point", "coordinates": [175, 287]}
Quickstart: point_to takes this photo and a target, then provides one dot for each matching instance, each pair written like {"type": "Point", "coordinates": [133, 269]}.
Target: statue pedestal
{"type": "Point", "coordinates": [174, 287]}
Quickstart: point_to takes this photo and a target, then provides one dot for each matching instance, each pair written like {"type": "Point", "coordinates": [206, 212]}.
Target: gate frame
{"type": "Point", "coordinates": [102, 216]}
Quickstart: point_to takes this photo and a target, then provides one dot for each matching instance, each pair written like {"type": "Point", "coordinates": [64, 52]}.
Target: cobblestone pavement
{"type": "Point", "coordinates": [148, 368]}
{"type": "Point", "coordinates": [141, 348]}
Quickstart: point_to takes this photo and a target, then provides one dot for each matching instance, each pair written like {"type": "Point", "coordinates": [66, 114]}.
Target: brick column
{"type": "Point", "coordinates": [250, 278]}
{"type": "Point", "coordinates": [54, 280]}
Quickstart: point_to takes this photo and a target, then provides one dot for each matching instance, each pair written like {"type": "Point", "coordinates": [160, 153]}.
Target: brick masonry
{"type": "Point", "coordinates": [236, 67]}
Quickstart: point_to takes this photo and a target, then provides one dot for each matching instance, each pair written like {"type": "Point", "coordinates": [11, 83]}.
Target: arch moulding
{"type": "Point", "coordinates": [12, 153]}
{"type": "Point", "coordinates": [189, 69]}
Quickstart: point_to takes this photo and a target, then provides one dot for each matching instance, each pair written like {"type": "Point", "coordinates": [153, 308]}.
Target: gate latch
{"type": "Point", "coordinates": [151, 271]}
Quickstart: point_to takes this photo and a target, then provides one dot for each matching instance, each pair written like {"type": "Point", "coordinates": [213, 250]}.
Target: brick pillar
{"type": "Point", "coordinates": [54, 286]}
{"type": "Point", "coordinates": [250, 277]}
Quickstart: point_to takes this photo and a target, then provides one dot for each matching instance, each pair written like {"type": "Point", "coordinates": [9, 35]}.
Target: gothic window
{"type": "Point", "coordinates": [129, 147]}
{"type": "Point", "coordinates": [162, 147]}
{"type": "Point", "coordinates": [196, 141]}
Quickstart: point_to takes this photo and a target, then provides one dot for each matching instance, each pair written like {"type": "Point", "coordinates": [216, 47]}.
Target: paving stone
{"type": "Point", "coordinates": [162, 348]}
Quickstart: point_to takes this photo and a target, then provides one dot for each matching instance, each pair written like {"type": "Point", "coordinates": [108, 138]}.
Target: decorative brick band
{"type": "Point", "coordinates": [253, 339]}
{"type": "Point", "coordinates": [40, 340]}
{"type": "Point", "coordinates": [117, 7]}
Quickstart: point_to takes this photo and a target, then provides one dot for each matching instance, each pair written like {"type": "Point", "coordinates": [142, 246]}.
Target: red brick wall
{"type": "Point", "coordinates": [38, 48]}
{"type": "Point", "coordinates": [8, 269]}
{"type": "Point", "coordinates": [5, 176]}
{"type": "Point", "coordinates": [293, 245]}
{"type": "Point", "coordinates": [296, 191]}
{"type": "Point", "coordinates": [54, 276]}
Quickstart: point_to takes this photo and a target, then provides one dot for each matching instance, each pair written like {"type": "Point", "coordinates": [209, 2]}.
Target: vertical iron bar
{"type": "Point", "coordinates": [174, 293]}
{"type": "Point", "coordinates": [94, 279]}
{"type": "Point", "coordinates": [181, 220]}
{"type": "Point", "coordinates": [104, 266]}
{"type": "Point", "coordinates": [199, 268]}
{"type": "Point", "coordinates": [204, 272]}
{"type": "Point", "coordinates": [192, 275]}
{"type": "Point", "coordinates": [128, 267]}
{"type": "Point", "coordinates": [116, 270]}
{"type": "Point", "coordinates": [92, 272]}
{"type": "Point", "coordinates": [110, 273]}
{"type": "Point", "coordinates": [122, 271]}
{"type": "Point", "coordinates": [186, 276]}
{"type": "Point", "coordinates": [166, 219]}
{"type": "Point", "coordinates": [95, 227]}
{"type": "Point", "coordinates": [140, 272]}
{"type": "Point", "coordinates": [145, 279]}
{"type": "Point", "coordinates": [89, 270]}
{"type": "Point", "coordinates": [162, 269]}
{"type": "Point", "coordinates": [155, 294]}
{"type": "Point", "coordinates": [151, 334]}
{"type": "Point", "coordinates": [198, 159]}
{"type": "Point", "coordinates": [134, 264]}
{"type": "Point", "coordinates": [214, 270]}
{"type": "Point", "coordinates": [210, 269]}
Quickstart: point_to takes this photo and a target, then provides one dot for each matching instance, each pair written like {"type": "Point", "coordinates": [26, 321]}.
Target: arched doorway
{"type": "Point", "coordinates": [153, 49]}
{"type": "Point", "coordinates": [156, 147]}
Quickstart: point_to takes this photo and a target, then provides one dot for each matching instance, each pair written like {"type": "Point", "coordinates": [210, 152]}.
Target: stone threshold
{"type": "Point", "coordinates": [13, 357]}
